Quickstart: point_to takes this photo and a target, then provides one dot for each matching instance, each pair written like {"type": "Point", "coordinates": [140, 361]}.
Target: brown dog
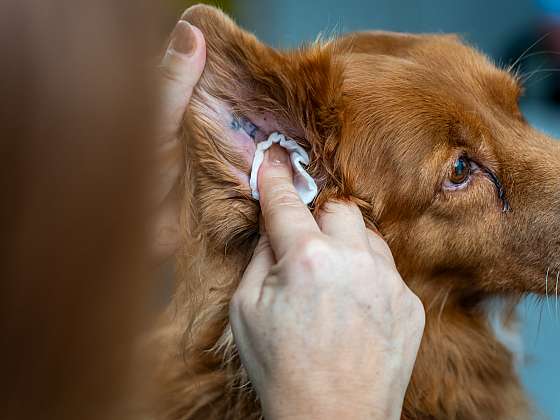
{"type": "Point", "coordinates": [425, 135]}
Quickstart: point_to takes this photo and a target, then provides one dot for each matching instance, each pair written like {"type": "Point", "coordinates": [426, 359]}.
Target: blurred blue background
{"type": "Point", "coordinates": [504, 29]}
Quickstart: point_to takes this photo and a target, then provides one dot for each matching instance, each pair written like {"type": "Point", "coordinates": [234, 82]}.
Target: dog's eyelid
{"type": "Point", "coordinates": [491, 175]}
{"type": "Point", "coordinates": [500, 190]}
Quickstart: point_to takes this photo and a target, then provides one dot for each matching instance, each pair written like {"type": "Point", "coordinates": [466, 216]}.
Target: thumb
{"type": "Point", "coordinates": [180, 69]}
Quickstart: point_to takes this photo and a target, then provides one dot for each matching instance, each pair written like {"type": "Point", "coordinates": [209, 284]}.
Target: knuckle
{"type": "Point", "coordinates": [167, 70]}
{"type": "Point", "coordinates": [279, 201]}
{"type": "Point", "coordinates": [312, 252]}
{"type": "Point", "coordinates": [174, 69]}
{"type": "Point", "coordinates": [275, 174]}
{"type": "Point", "coordinates": [349, 206]}
{"type": "Point", "coordinates": [415, 312]}
{"type": "Point", "coordinates": [281, 193]}
{"type": "Point", "coordinates": [379, 246]}
{"type": "Point", "coordinates": [419, 311]}
{"type": "Point", "coordinates": [362, 258]}
{"type": "Point", "coordinates": [335, 208]}
{"type": "Point", "coordinates": [401, 296]}
{"type": "Point", "coordinates": [379, 265]}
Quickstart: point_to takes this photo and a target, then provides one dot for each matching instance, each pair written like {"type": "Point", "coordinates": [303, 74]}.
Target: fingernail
{"type": "Point", "coordinates": [277, 156]}
{"type": "Point", "coordinates": [183, 39]}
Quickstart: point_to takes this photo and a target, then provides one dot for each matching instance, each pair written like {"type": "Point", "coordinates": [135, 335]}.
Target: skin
{"type": "Point", "coordinates": [324, 323]}
{"type": "Point", "coordinates": [180, 69]}
{"type": "Point", "coordinates": [282, 314]}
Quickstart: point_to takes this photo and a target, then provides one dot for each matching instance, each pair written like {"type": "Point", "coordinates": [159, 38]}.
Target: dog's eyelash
{"type": "Point", "coordinates": [499, 189]}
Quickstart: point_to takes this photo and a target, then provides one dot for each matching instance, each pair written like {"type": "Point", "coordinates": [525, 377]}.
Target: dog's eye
{"type": "Point", "coordinates": [460, 174]}
{"type": "Point", "coordinates": [460, 171]}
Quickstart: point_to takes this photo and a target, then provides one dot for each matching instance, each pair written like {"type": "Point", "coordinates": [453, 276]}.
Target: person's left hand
{"type": "Point", "coordinates": [180, 70]}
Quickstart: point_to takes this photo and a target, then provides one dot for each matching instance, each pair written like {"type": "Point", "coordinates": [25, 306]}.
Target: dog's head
{"type": "Point", "coordinates": [423, 132]}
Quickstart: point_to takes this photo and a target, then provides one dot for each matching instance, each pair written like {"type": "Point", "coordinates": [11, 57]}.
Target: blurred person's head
{"type": "Point", "coordinates": [77, 102]}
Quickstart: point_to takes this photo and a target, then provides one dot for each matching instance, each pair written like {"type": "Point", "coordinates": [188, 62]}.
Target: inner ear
{"type": "Point", "coordinates": [249, 90]}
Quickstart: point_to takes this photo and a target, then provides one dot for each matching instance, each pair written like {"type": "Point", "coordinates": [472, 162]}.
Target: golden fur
{"type": "Point", "coordinates": [384, 116]}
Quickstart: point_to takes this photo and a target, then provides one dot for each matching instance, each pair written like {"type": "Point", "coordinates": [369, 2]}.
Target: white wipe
{"type": "Point", "coordinates": [305, 185]}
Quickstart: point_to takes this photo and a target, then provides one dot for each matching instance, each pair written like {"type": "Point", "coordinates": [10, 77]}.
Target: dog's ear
{"type": "Point", "coordinates": [246, 82]}
{"type": "Point", "coordinates": [247, 91]}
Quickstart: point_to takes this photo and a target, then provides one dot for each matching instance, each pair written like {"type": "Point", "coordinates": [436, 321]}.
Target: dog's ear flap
{"type": "Point", "coordinates": [295, 92]}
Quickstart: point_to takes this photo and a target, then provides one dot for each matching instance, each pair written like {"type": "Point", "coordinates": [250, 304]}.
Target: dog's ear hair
{"type": "Point", "coordinates": [296, 92]}
{"type": "Point", "coordinates": [246, 84]}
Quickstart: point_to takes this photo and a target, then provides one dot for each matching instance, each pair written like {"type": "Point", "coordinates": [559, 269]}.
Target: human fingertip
{"type": "Point", "coordinates": [275, 170]}
{"type": "Point", "coordinates": [276, 155]}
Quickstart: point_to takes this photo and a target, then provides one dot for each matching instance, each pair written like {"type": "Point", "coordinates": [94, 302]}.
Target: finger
{"type": "Point", "coordinates": [257, 270]}
{"type": "Point", "coordinates": [180, 69]}
{"type": "Point", "coordinates": [343, 221]}
{"type": "Point", "coordinates": [285, 216]}
{"type": "Point", "coordinates": [379, 246]}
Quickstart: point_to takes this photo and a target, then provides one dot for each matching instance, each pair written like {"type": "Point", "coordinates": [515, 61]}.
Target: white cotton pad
{"type": "Point", "coordinates": [305, 185]}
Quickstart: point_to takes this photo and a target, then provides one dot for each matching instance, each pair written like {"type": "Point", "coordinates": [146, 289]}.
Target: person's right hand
{"type": "Point", "coordinates": [324, 323]}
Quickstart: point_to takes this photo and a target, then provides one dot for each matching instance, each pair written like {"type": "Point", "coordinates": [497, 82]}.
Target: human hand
{"type": "Point", "coordinates": [324, 323]}
{"type": "Point", "coordinates": [180, 70]}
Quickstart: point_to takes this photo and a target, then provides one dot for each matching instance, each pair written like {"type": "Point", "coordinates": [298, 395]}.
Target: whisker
{"type": "Point", "coordinates": [546, 292]}
{"type": "Point", "coordinates": [524, 53]}
{"type": "Point", "coordinates": [540, 70]}
{"type": "Point", "coordinates": [526, 77]}
{"type": "Point", "coordinates": [556, 294]}
{"type": "Point", "coordinates": [535, 81]}
{"type": "Point", "coordinates": [538, 325]}
{"type": "Point", "coordinates": [536, 53]}
{"type": "Point", "coordinates": [443, 303]}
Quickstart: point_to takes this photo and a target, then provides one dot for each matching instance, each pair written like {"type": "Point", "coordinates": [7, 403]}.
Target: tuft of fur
{"type": "Point", "coordinates": [383, 115]}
